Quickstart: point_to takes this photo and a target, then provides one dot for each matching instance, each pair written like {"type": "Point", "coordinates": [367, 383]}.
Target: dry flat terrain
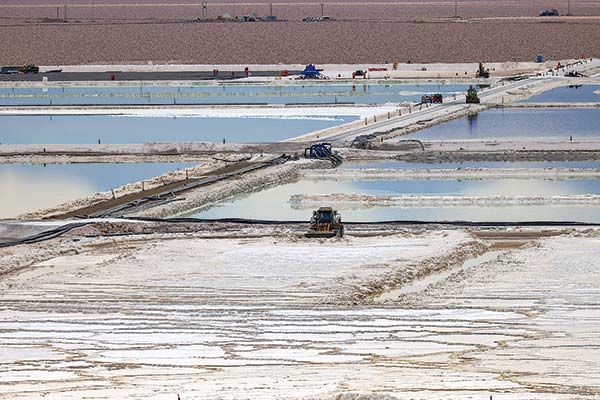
{"type": "Point", "coordinates": [263, 317]}
{"type": "Point", "coordinates": [291, 9]}
{"type": "Point", "coordinates": [162, 31]}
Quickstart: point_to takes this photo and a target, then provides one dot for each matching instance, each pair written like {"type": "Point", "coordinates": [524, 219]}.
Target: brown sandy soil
{"type": "Point", "coordinates": [334, 42]}
{"type": "Point", "coordinates": [288, 9]}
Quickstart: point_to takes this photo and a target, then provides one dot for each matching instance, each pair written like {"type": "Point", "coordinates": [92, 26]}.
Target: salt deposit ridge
{"type": "Point", "coordinates": [209, 112]}
{"type": "Point", "coordinates": [456, 173]}
{"type": "Point", "coordinates": [363, 200]}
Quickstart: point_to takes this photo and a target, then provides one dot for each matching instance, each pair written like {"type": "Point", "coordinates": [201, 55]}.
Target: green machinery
{"type": "Point", "coordinates": [472, 97]}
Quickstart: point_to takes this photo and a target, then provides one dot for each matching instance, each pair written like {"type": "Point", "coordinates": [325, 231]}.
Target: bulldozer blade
{"type": "Point", "coordinates": [320, 234]}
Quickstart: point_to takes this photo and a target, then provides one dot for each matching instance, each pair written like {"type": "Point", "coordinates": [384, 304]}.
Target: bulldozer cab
{"type": "Point", "coordinates": [325, 223]}
{"type": "Point", "coordinates": [324, 215]}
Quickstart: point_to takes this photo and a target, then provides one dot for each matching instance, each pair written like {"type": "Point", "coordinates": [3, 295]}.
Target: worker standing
{"type": "Point", "coordinates": [247, 71]}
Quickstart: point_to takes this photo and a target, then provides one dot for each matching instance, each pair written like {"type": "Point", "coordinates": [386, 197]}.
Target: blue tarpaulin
{"type": "Point", "coordinates": [311, 72]}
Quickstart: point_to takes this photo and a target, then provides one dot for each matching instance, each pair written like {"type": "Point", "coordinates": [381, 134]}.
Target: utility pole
{"type": "Point", "coordinates": [322, 10]}
{"type": "Point", "coordinates": [65, 12]}
{"type": "Point", "coordinates": [456, 9]}
{"type": "Point", "coordinates": [568, 7]}
{"type": "Point", "coordinates": [57, 12]}
{"type": "Point", "coordinates": [204, 11]}
{"type": "Point", "coordinates": [93, 12]}
{"type": "Point", "coordinates": [270, 8]}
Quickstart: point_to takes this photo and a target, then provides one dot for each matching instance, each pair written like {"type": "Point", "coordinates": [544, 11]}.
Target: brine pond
{"type": "Point", "coordinates": [88, 129]}
{"type": "Point", "coordinates": [225, 94]}
{"type": "Point", "coordinates": [273, 203]}
{"type": "Point", "coordinates": [29, 187]}
{"type": "Point", "coordinates": [517, 124]}
{"type": "Point", "coordinates": [571, 94]}
{"type": "Point", "coordinates": [397, 164]}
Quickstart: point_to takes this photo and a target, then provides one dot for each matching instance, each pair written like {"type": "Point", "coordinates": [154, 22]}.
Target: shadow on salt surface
{"type": "Point", "coordinates": [11, 355]}
{"type": "Point", "coordinates": [25, 375]}
{"type": "Point", "coordinates": [404, 314]}
{"type": "Point", "coordinates": [432, 279]}
{"type": "Point", "coordinates": [315, 356]}
{"type": "Point", "coordinates": [179, 355]}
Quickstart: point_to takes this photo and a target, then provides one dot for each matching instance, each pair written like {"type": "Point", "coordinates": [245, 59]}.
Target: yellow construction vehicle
{"type": "Point", "coordinates": [29, 69]}
{"type": "Point", "coordinates": [325, 223]}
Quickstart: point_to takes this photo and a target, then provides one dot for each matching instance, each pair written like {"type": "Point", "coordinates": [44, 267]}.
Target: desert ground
{"type": "Point", "coordinates": [375, 32]}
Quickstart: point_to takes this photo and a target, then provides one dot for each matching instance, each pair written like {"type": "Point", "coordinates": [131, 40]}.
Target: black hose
{"type": "Point", "coordinates": [250, 221]}
{"type": "Point", "coordinates": [53, 233]}
{"type": "Point", "coordinates": [46, 235]}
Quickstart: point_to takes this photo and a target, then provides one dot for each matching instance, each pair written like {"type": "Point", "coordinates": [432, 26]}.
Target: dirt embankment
{"type": "Point", "coordinates": [204, 196]}
{"type": "Point", "coordinates": [146, 184]}
{"type": "Point", "coordinates": [404, 274]}
{"type": "Point", "coordinates": [506, 156]}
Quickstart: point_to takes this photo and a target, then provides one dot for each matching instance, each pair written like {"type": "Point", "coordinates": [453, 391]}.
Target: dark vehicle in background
{"type": "Point", "coordinates": [9, 70]}
{"type": "Point", "coordinates": [549, 13]}
{"type": "Point", "coordinates": [23, 69]}
{"type": "Point", "coordinates": [432, 99]}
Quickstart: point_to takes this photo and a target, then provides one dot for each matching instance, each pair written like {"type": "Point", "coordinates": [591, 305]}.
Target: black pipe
{"type": "Point", "coordinates": [53, 233]}
{"type": "Point", "coordinates": [390, 222]}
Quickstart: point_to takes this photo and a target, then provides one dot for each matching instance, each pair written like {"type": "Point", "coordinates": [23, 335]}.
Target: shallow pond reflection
{"type": "Point", "coordinates": [28, 187]}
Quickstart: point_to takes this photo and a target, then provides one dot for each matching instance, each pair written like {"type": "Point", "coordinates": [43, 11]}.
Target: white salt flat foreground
{"type": "Point", "coordinates": [272, 112]}
{"type": "Point", "coordinates": [277, 317]}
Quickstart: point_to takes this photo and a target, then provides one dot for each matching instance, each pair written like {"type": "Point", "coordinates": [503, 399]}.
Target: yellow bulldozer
{"type": "Point", "coordinates": [29, 69]}
{"type": "Point", "coordinates": [325, 223]}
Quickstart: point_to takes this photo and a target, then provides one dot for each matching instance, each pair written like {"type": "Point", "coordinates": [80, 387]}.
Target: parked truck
{"type": "Point", "coordinates": [23, 69]}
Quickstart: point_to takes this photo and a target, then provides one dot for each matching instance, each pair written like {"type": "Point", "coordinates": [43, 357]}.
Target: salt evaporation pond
{"type": "Point", "coordinates": [571, 94]}
{"type": "Point", "coordinates": [273, 203]}
{"type": "Point", "coordinates": [81, 129]}
{"type": "Point", "coordinates": [227, 93]}
{"type": "Point", "coordinates": [396, 164]}
{"type": "Point", "coordinates": [518, 124]}
{"type": "Point", "coordinates": [28, 187]}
